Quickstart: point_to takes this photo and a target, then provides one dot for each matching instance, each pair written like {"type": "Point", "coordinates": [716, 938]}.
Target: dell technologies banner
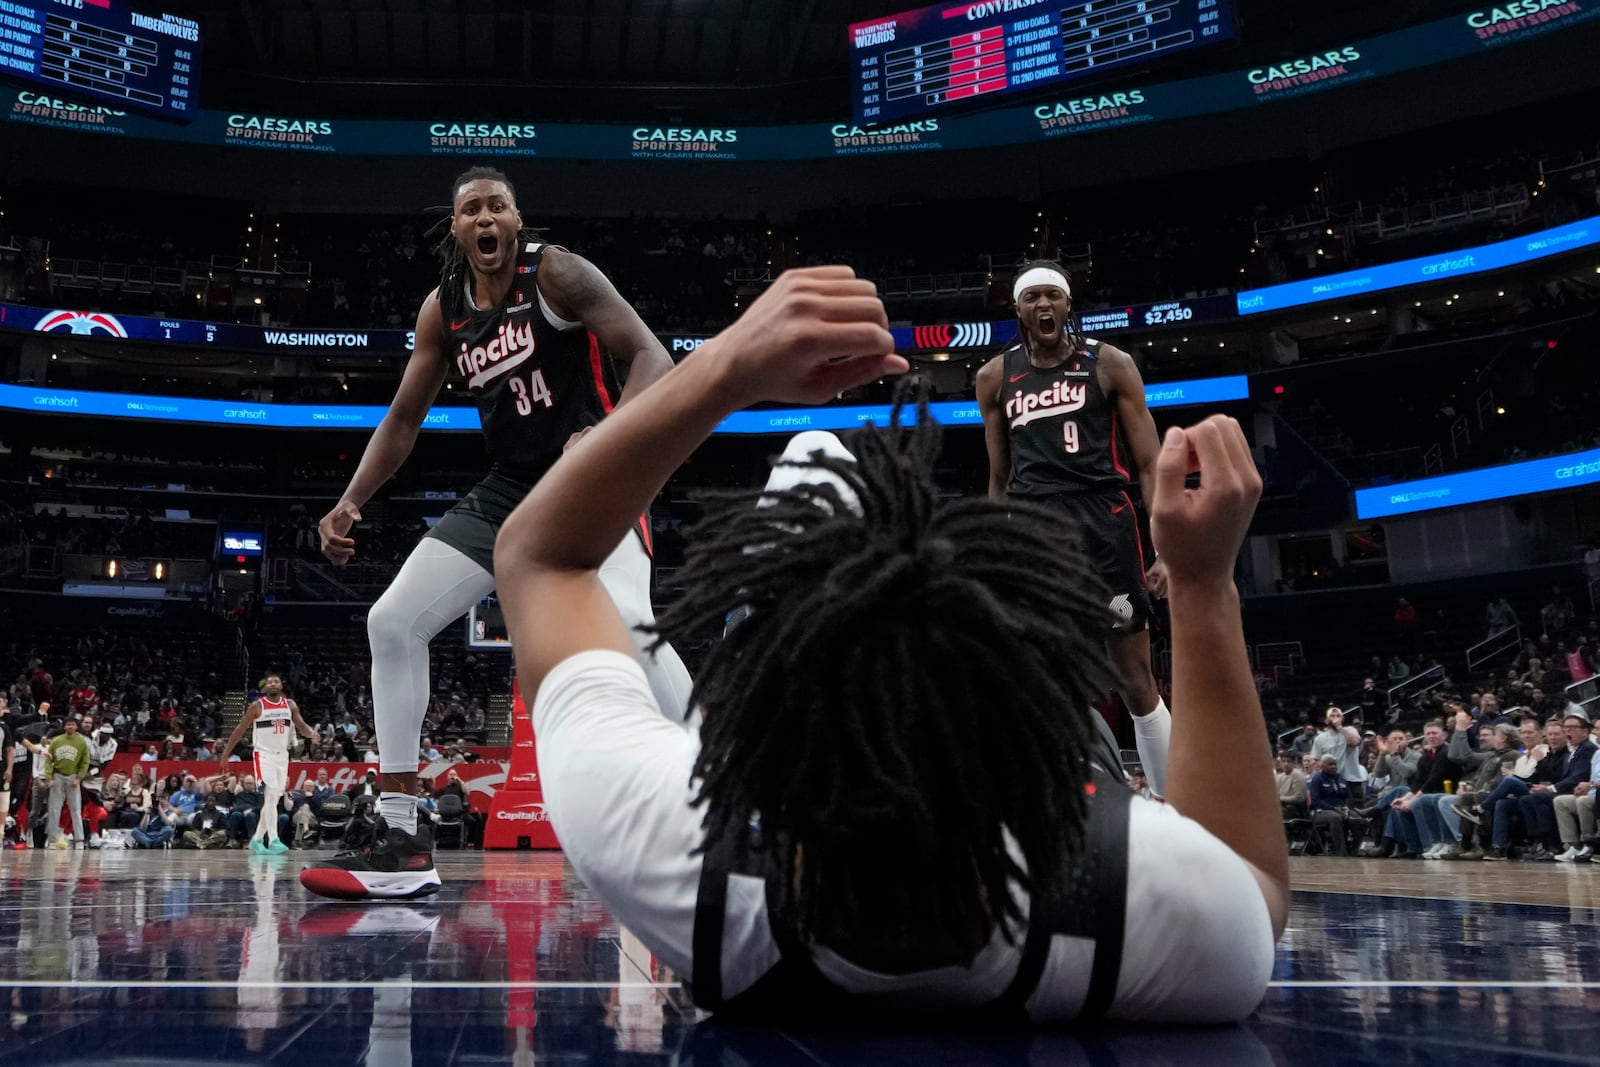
{"type": "Point", "coordinates": [460, 419]}
{"type": "Point", "coordinates": [1341, 63]}
{"type": "Point", "coordinates": [1474, 487]}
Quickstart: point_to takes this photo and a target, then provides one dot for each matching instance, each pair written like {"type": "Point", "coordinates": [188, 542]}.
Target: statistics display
{"type": "Point", "coordinates": [921, 61]}
{"type": "Point", "coordinates": [99, 51]}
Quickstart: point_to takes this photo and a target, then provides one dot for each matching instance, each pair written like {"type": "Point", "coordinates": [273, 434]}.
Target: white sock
{"type": "Point", "coordinates": [1152, 734]}
{"type": "Point", "coordinates": [399, 810]}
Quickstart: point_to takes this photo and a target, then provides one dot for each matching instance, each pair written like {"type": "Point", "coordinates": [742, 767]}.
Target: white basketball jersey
{"type": "Point", "coordinates": [274, 726]}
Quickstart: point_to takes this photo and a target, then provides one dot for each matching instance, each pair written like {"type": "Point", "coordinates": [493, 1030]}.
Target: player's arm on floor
{"type": "Point", "coordinates": [578, 292]}
{"type": "Point", "coordinates": [251, 714]}
{"type": "Point", "coordinates": [995, 439]}
{"type": "Point", "coordinates": [396, 435]}
{"type": "Point", "coordinates": [1212, 775]}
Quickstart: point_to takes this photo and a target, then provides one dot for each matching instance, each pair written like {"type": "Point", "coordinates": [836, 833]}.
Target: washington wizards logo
{"type": "Point", "coordinates": [83, 323]}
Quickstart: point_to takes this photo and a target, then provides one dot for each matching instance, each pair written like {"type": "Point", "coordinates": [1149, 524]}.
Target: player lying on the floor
{"type": "Point", "coordinates": [890, 804]}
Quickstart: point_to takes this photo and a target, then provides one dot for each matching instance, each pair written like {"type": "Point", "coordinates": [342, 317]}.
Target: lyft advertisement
{"type": "Point", "coordinates": [481, 779]}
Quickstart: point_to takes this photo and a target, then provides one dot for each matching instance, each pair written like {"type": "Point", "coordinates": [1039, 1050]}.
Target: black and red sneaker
{"type": "Point", "coordinates": [396, 866]}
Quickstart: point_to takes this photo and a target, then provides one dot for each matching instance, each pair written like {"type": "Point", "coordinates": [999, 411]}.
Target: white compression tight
{"type": "Point", "coordinates": [437, 586]}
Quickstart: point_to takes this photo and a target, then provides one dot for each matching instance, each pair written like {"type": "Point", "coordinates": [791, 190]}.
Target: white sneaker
{"type": "Point", "coordinates": [1432, 852]}
{"type": "Point", "coordinates": [1569, 856]}
{"type": "Point", "coordinates": [1447, 851]}
{"type": "Point", "coordinates": [1584, 853]}
{"type": "Point", "coordinates": [94, 841]}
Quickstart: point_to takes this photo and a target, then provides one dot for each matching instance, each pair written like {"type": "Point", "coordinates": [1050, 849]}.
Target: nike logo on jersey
{"type": "Point", "coordinates": [1060, 399]}
{"type": "Point", "coordinates": [510, 349]}
{"type": "Point", "coordinates": [461, 324]}
{"type": "Point", "coordinates": [1017, 377]}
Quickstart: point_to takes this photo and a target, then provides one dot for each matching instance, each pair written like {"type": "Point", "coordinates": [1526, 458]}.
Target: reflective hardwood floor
{"type": "Point", "coordinates": [221, 958]}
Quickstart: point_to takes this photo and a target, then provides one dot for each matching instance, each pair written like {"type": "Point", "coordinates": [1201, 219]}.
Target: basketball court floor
{"type": "Point", "coordinates": [180, 957]}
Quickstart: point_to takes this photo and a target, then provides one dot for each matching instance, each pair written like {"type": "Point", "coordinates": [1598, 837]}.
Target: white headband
{"type": "Point", "coordinates": [1039, 276]}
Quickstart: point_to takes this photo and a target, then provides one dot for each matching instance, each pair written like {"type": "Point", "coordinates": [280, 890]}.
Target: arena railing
{"type": "Point", "coordinates": [1415, 686]}
{"type": "Point", "coordinates": [1495, 645]}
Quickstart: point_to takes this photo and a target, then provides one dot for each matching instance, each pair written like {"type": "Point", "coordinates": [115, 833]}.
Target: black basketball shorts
{"type": "Point", "coordinates": [471, 525]}
{"type": "Point", "coordinates": [1108, 531]}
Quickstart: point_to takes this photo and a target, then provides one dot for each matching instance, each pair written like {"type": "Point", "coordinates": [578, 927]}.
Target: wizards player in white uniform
{"type": "Point", "coordinates": [529, 331]}
{"type": "Point", "coordinates": [275, 718]}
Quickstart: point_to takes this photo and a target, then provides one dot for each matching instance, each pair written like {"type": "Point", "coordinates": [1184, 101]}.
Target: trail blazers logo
{"type": "Point", "coordinates": [958, 335]}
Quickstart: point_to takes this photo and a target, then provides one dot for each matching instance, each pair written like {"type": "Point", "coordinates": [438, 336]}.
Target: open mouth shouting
{"type": "Point", "coordinates": [487, 246]}
{"type": "Point", "coordinates": [1046, 325]}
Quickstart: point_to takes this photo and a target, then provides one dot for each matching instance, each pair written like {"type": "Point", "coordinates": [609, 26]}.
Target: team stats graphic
{"type": "Point", "coordinates": [100, 53]}
{"type": "Point", "coordinates": [908, 65]}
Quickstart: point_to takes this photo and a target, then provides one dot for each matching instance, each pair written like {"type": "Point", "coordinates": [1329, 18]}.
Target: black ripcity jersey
{"type": "Point", "coordinates": [536, 383]}
{"type": "Point", "coordinates": [1063, 427]}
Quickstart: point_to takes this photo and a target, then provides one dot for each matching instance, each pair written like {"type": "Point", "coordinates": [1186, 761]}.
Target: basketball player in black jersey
{"type": "Point", "coordinates": [529, 331]}
{"type": "Point", "coordinates": [1061, 416]}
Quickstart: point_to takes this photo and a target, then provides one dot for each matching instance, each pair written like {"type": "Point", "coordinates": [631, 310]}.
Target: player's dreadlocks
{"type": "Point", "coordinates": [1073, 340]}
{"type": "Point", "coordinates": [911, 685]}
{"type": "Point", "coordinates": [453, 272]}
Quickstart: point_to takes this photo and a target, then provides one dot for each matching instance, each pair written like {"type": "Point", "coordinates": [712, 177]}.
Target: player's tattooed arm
{"type": "Point", "coordinates": [577, 291]}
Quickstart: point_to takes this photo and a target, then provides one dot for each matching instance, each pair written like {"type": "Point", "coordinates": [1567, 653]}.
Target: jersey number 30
{"type": "Point", "coordinates": [531, 392]}
{"type": "Point", "coordinates": [1069, 435]}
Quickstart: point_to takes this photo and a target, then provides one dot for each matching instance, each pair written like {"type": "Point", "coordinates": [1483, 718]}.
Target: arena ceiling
{"type": "Point", "coordinates": [767, 60]}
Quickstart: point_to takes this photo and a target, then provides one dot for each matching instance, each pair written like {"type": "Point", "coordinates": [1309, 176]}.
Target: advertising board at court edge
{"type": "Point", "coordinates": [684, 142]}
{"type": "Point", "coordinates": [275, 131]}
{"type": "Point", "coordinates": [483, 138]}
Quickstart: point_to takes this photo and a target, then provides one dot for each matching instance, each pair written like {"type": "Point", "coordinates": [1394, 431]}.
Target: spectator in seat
{"type": "Point", "coordinates": [1329, 794]}
{"type": "Point", "coordinates": [1398, 671]}
{"type": "Point", "coordinates": [1558, 613]}
{"type": "Point", "coordinates": [102, 746]}
{"type": "Point", "coordinates": [1575, 817]}
{"type": "Point", "coordinates": [1292, 795]}
{"type": "Point", "coordinates": [244, 813]}
{"type": "Point", "coordinates": [1342, 744]}
{"type": "Point", "coordinates": [1434, 768]}
{"type": "Point", "coordinates": [137, 803]}
{"type": "Point", "coordinates": [1438, 818]}
{"type": "Point", "coordinates": [151, 754]}
{"type": "Point", "coordinates": [428, 752]}
{"type": "Point", "coordinates": [471, 820]}
{"type": "Point", "coordinates": [208, 827]}
{"type": "Point", "coordinates": [1537, 764]}
{"type": "Point", "coordinates": [1301, 746]}
{"type": "Point", "coordinates": [1538, 807]}
{"type": "Point", "coordinates": [187, 801]}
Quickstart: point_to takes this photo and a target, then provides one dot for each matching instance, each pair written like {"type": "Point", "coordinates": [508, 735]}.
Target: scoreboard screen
{"type": "Point", "coordinates": [100, 53]}
{"type": "Point", "coordinates": [904, 66]}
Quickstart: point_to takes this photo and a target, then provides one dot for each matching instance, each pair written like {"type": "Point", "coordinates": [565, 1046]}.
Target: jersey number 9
{"type": "Point", "coordinates": [1069, 435]}
{"type": "Point", "coordinates": [530, 392]}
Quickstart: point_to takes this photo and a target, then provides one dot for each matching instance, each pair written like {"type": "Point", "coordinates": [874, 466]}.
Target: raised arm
{"type": "Point", "coordinates": [995, 437]}
{"type": "Point", "coordinates": [812, 335]}
{"type": "Point", "coordinates": [578, 292]}
{"type": "Point", "coordinates": [1220, 772]}
{"type": "Point", "coordinates": [395, 436]}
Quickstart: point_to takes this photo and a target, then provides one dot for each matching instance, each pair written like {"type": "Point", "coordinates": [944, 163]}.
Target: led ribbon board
{"type": "Point", "coordinates": [461, 419]}
{"type": "Point", "coordinates": [1474, 487]}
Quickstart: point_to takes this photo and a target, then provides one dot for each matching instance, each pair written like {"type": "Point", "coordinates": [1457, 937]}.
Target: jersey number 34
{"type": "Point", "coordinates": [531, 392]}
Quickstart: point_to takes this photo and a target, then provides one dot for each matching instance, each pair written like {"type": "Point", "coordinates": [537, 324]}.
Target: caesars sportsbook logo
{"type": "Point", "coordinates": [47, 110]}
{"type": "Point", "coordinates": [1298, 75]}
{"type": "Point", "coordinates": [270, 131]}
{"type": "Point", "coordinates": [851, 140]}
{"type": "Point", "coordinates": [1521, 18]}
{"type": "Point", "coordinates": [82, 323]}
{"type": "Point", "coordinates": [673, 142]}
{"type": "Point", "coordinates": [490, 138]}
{"type": "Point", "coordinates": [1089, 112]}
